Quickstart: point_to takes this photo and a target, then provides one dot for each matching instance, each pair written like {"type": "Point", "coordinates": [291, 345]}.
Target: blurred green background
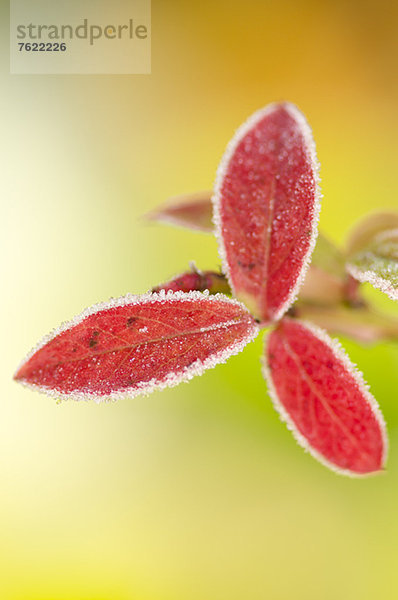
{"type": "Point", "coordinates": [199, 492]}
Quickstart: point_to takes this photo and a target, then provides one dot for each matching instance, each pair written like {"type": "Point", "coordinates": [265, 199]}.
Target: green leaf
{"type": "Point", "coordinates": [365, 231]}
{"type": "Point", "coordinates": [378, 264]}
{"type": "Point", "coordinates": [328, 257]}
{"type": "Point", "coordinates": [325, 280]}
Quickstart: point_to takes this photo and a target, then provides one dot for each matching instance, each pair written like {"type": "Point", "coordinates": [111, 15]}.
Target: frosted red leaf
{"type": "Point", "coordinates": [266, 204]}
{"type": "Point", "coordinates": [193, 211]}
{"type": "Point", "coordinates": [196, 280]}
{"type": "Point", "coordinates": [324, 400]}
{"type": "Point", "coordinates": [136, 344]}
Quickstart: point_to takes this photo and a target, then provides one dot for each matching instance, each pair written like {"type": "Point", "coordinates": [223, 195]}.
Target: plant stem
{"type": "Point", "coordinates": [363, 324]}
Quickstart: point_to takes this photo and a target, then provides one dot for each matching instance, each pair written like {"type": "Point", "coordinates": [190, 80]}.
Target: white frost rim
{"type": "Point", "coordinates": [241, 132]}
{"type": "Point", "coordinates": [341, 355]}
{"type": "Point", "coordinates": [370, 277]}
{"type": "Point", "coordinates": [197, 368]}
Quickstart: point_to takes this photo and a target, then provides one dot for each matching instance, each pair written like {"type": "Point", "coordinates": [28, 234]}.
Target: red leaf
{"type": "Point", "coordinates": [200, 281]}
{"type": "Point", "coordinates": [266, 205]}
{"type": "Point", "coordinates": [324, 400]}
{"type": "Point", "coordinates": [136, 344]}
{"type": "Point", "coordinates": [194, 211]}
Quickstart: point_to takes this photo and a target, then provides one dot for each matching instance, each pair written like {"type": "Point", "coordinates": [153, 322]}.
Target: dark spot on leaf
{"type": "Point", "coordinates": [93, 340]}
{"type": "Point", "coordinates": [130, 321]}
{"type": "Point", "coordinates": [249, 266]}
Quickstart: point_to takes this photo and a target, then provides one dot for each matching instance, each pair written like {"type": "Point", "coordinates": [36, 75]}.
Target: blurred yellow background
{"type": "Point", "coordinates": [199, 492]}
